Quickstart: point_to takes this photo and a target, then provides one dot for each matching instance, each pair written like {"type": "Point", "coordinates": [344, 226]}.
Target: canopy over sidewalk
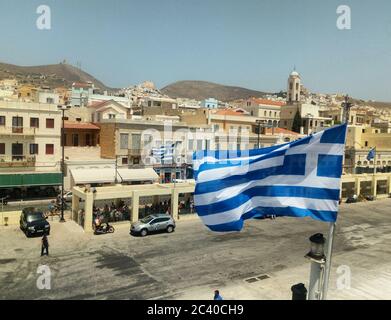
{"type": "Point", "coordinates": [89, 176]}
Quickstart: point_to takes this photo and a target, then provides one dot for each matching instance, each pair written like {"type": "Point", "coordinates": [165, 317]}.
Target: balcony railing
{"type": "Point", "coordinates": [15, 130]}
{"type": "Point", "coordinates": [16, 161]}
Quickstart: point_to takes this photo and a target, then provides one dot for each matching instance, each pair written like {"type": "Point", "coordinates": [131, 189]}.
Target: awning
{"type": "Point", "coordinates": [128, 175]}
{"type": "Point", "coordinates": [11, 180]}
{"type": "Point", "coordinates": [89, 176]}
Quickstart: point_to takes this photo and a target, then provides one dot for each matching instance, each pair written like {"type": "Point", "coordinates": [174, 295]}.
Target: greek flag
{"type": "Point", "coordinates": [297, 179]}
{"type": "Point", "coordinates": [371, 154]}
{"type": "Point", "coordinates": [164, 153]}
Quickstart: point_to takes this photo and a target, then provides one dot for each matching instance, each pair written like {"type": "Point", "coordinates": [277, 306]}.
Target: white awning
{"type": "Point", "coordinates": [106, 175]}
{"type": "Point", "coordinates": [128, 175]}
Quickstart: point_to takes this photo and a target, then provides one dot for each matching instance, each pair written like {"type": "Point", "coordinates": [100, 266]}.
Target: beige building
{"type": "Point", "coordinates": [267, 111]}
{"type": "Point", "coordinates": [30, 151]}
{"type": "Point", "coordinates": [360, 140]}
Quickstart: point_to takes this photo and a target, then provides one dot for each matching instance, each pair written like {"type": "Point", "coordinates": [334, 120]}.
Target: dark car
{"type": "Point", "coordinates": [33, 221]}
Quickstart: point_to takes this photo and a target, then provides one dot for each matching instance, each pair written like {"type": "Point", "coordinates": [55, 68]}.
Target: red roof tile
{"type": "Point", "coordinates": [268, 102]}
{"type": "Point", "coordinates": [80, 125]}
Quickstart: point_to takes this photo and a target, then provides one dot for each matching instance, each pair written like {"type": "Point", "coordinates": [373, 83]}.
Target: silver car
{"type": "Point", "coordinates": [153, 223]}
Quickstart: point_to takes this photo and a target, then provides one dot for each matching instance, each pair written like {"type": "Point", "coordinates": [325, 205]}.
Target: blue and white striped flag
{"type": "Point", "coordinates": [298, 179]}
{"type": "Point", "coordinates": [164, 153]}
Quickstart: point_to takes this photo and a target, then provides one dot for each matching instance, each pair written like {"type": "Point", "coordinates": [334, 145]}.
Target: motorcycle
{"type": "Point", "coordinates": [103, 229]}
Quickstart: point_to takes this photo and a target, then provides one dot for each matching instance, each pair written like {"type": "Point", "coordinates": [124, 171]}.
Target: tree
{"type": "Point", "coordinates": [296, 122]}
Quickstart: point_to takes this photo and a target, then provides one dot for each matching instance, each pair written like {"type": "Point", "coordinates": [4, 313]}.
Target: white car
{"type": "Point", "coordinates": [68, 196]}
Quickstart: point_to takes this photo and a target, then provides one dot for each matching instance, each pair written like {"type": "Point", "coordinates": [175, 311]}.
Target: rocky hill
{"type": "Point", "coordinates": [54, 75]}
{"type": "Point", "coordinates": [200, 90]}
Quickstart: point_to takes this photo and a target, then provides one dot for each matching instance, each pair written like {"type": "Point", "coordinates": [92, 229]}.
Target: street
{"type": "Point", "coordinates": [192, 262]}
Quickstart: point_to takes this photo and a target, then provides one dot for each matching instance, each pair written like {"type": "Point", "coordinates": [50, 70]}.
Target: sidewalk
{"type": "Point", "coordinates": [368, 261]}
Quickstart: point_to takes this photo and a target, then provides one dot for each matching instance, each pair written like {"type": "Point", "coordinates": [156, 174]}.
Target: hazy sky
{"type": "Point", "coordinates": [249, 43]}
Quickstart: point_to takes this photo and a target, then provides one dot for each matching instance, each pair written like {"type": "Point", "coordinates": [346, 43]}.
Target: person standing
{"type": "Point", "coordinates": [45, 245]}
{"type": "Point", "coordinates": [217, 295]}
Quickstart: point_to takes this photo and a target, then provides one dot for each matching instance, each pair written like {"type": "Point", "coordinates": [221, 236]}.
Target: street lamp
{"type": "Point", "coordinates": [318, 260]}
{"type": "Point", "coordinates": [63, 108]}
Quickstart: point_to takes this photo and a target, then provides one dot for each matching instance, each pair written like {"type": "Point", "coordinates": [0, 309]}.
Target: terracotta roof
{"type": "Point", "coordinates": [80, 125]}
{"type": "Point", "coordinates": [268, 102]}
{"type": "Point", "coordinates": [280, 130]}
{"type": "Point", "coordinates": [97, 104]}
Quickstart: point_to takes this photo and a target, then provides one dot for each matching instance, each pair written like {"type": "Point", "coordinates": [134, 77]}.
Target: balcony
{"type": "Point", "coordinates": [16, 161]}
{"type": "Point", "coordinates": [17, 131]}
{"type": "Point", "coordinates": [134, 152]}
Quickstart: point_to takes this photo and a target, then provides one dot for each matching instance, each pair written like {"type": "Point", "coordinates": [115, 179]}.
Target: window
{"type": "Point", "coordinates": [124, 141]}
{"type": "Point", "coordinates": [124, 160]}
{"type": "Point", "coordinates": [216, 127]}
{"type": "Point", "coordinates": [366, 143]}
{"type": "Point", "coordinates": [2, 120]}
{"type": "Point", "coordinates": [78, 119]}
{"type": "Point", "coordinates": [2, 148]}
{"type": "Point", "coordinates": [50, 100]}
{"type": "Point", "coordinates": [207, 144]}
{"type": "Point", "coordinates": [191, 144]}
{"type": "Point", "coordinates": [17, 124]}
{"type": "Point", "coordinates": [217, 143]}
{"type": "Point", "coordinates": [265, 113]}
{"type": "Point", "coordinates": [136, 141]}
{"type": "Point", "coordinates": [49, 149]}
{"type": "Point", "coordinates": [49, 123]}
{"type": "Point", "coordinates": [111, 116]}
{"type": "Point", "coordinates": [33, 148]}
{"type": "Point", "coordinates": [34, 122]}
{"type": "Point", "coordinates": [199, 145]}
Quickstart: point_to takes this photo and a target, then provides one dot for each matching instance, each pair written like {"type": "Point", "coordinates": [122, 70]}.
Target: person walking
{"type": "Point", "coordinates": [45, 245]}
{"type": "Point", "coordinates": [217, 295]}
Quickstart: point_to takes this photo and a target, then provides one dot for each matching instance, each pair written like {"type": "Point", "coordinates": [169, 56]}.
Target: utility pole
{"type": "Point", "coordinates": [63, 108]}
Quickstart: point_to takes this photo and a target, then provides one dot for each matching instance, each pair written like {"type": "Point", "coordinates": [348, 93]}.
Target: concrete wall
{"type": "Point", "coordinates": [13, 218]}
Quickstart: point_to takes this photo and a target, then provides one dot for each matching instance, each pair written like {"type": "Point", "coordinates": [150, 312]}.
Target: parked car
{"type": "Point", "coordinates": [33, 221]}
{"type": "Point", "coordinates": [68, 196]}
{"type": "Point", "coordinates": [153, 223]}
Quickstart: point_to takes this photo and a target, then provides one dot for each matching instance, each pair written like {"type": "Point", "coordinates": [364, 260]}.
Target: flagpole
{"type": "Point", "coordinates": [332, 226]}
{"type": "Point", "coordinates": [329, 252]}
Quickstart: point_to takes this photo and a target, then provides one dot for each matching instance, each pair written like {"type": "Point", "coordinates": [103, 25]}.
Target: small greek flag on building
{"type": "Point", "coordinates": [371, 154]}
{"type": "Point", "coordinates": [297, 179]}
{"type": "Point", "coordinates": [164, 153]}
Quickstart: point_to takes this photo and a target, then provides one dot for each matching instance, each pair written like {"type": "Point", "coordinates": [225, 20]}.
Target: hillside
{"type": "Point", "coordinates": [200, 90]}
{"type": "Point", "coordinates": [54, 75]}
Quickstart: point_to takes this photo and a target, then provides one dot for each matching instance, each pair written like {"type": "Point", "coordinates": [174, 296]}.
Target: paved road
{"type": "Point", "coordinates": [171, 266]}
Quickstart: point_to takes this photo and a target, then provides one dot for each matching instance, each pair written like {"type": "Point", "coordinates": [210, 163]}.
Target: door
{"type": "Point", "coordinates": [17, 151]}
{"type": "Point", "coordinates": [88, 139]}
{"type": "Point", "coordinates": [75, 140]}
{"type": "Point", "coordinates": [161, 223]}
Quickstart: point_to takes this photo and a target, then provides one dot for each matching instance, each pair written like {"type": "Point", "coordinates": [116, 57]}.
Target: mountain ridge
{"type": "Point", "coordinates": [51, 75]}
{"type": "Point", "coordinates": [200, 90]}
